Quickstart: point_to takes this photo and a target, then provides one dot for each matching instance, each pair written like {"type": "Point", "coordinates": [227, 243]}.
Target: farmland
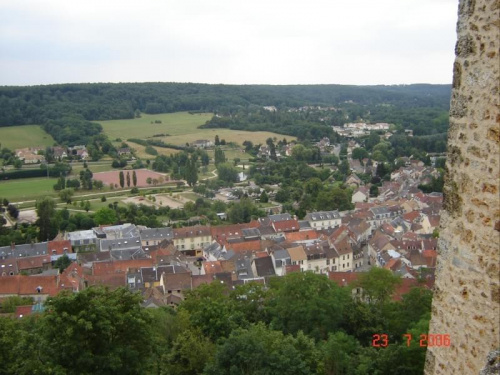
{"type": "Point", "coordinates": [181, 128]}
{"type": "Point", "coordinates": [14, 137]}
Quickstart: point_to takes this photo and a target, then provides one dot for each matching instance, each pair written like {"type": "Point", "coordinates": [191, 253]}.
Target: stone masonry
{"type": "Point", "coordinates": [466, 301]}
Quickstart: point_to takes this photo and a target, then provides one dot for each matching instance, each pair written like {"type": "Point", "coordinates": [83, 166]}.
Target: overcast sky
{"type": "Point", "coordinates": [227, 41]}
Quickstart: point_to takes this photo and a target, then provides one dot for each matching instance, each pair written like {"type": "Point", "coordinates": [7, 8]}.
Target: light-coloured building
{"type": "Point", "coordinates": [324, 219]}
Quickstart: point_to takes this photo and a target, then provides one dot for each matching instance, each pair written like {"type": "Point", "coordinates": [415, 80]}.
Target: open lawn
{"type": "Point", "coordinates": [182, 128]}
{"type": "Point", "coordinates": [27, 189]}
{"type": "Point", "coordinates": [14, 137]}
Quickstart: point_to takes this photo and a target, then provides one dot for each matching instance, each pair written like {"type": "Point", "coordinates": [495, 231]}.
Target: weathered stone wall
{"type": "Point", "coordinates": [466, 302]}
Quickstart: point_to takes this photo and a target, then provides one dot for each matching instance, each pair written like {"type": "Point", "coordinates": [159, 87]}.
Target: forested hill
{"type": "Point", "coordinates": [105, 101]}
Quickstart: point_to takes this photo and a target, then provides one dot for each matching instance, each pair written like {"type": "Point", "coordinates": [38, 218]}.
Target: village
{"type": "Point", "coordinates": [397, 230]}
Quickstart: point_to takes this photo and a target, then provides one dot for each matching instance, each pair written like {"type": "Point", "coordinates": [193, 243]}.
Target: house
{"type": "Point", "coordinates": [151, 237]}
{"type": "Point", "coordinates": [281, 259]}
{"type": "Point", "coordinates": [298, 257]}
{"type": "Point", "coordinates": [191, 240]}
{"type": "Point", "coordinates": [29, 155]}
{"type": "Point", "coordinates": [59, 152]}
{"type": "Point", "coordinates": [286, 226]}
{"type": "Point", "coordinates": [202, 143]}
{"type": "Point", "coordinates": [37, 287]}
{"type": "Point", "coordinates": [34, 265]}
{"type": "Point", "coordinates": [361, 195]}
{"type": "Point", "coordinates": [323, 219]}
{"type": "Point", "coordinates": [59, 247]}
{"type": "Point", "coordinates": [263, 267]}
{"type": "Point", "coordinates": [353, 181]}
{"type": "Point", "coordinates": [124, 151]}
{"type": "Point", "coordinates": [83, 240]}
{"type": "Point", "coordinates": [8, 267]}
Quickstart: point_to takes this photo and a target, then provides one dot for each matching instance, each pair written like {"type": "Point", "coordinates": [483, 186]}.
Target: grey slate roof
{"type": "Point", "coordinates": [264, 266]}
{"type": "Point", "coordinates": [322, 215]}
{"type": "Point", "coordinates": [25, 250]}
{"type": "Point", "coordinates": [157, 234]}
{"type": "Point", "coordinates": [279, 217]}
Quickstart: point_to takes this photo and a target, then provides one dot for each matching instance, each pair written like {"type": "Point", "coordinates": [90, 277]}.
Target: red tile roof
{"type": "Point", "coordinates": [27, 285]}
{"type": "Point", "coordinates": [301, 236]}
{"type": "Point", "coordinates": [112, 281]}
{"type": "Point", "coordinates": [239, 247]}
{"type": "Point", "coordinates": [119, 266]}
{"type": "Point", "coordinates": [286, 226]}
{"type": "Point", "coordinates": [343, 278]}
{"type": "Point", "coordinates": [33, 262]}
{"type": "Point", "coordinates": [411, 216]}
{"type": "Point", "coordinates": [22, 311]}
{"type": "Point", "coordinates": [59, 247]}
{"type": "Point", "coordinates": [292, 268]}
{"type": "Point", "coordinates": [212, 267]}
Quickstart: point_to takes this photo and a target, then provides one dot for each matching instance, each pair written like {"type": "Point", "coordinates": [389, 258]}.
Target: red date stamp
{"type": "Point", "coordinates": [382, 340]}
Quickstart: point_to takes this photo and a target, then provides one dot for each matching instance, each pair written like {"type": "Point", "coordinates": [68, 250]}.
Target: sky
{"type": "Point", "coordinates": [358, 42]}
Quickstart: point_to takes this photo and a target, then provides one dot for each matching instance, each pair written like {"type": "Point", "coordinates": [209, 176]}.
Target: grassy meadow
{"type": "Point", "coordinates": [27, 189]}
{"type": "Point", "coordinates": [182, 128]}
{"type": "Point", "coordinates": [14, 137]}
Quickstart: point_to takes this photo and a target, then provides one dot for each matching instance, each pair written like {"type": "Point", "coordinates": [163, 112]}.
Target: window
{"type": "Point", "coordinates": [347, 264]}
{"type": "Point", "coordinates": [343, 257]}
{"type": "Point", "coordinates": [328, 262]}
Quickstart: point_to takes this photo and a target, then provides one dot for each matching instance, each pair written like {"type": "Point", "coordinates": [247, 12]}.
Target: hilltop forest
{"type": "Point", "coordinates": [67, 111]}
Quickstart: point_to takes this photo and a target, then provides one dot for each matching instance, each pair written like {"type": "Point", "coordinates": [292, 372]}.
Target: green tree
{"type": "Point", "coordinates": [128, 179]}
{"type": "Point", "coordinates": [47, 222]}
{"type": "Point", "coordinates": [66, 195]}
{"type": "Point", "coordinates": [134, 178]}
{"type": "Point", "coordinates": [95, 331]}
{"type": "Point", "coordinates": [9, 304]}
{"type": "Point", "coordinates": [62, 263]}
{"type": "Point", "coordinates": [219, 156]}
{"type": "Point", "coordinates": [306, 302]}
{"type": "Point", "coordinates": [190, 353]}
{"type": "Point", "coordinates": [227, 172]}
{"type": "Point", "coordinates": [217, 141]}
{"type": "Point", "coordinates": [122, 179]}
{"type": "Point", "coordinates": [340, 354]}
{"type": "Point", "coordinates": [263, 197]}
{"type": "Point", "coordinates": [378, 284]}
{"type": "Point", "coordinates": [209, 310]}
{"type": "Point", "coordinates": [105, 215]}
{"type": "Point", "coordinates": [359, 153]}
{"type": "Point", "coordinates": [259, 350]}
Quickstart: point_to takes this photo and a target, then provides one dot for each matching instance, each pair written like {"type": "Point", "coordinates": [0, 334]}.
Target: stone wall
{"type": "Point", "coordinates": [466, 302]}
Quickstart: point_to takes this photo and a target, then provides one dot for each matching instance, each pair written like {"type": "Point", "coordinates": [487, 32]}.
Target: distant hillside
{"type": "Point", "coordinates": [55, 106]}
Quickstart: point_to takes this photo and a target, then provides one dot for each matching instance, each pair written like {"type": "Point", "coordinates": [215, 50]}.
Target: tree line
{"type": "Point", "coordinates": [301, 323]}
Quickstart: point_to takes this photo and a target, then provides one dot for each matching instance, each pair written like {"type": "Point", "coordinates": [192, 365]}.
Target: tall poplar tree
{"type": "Point", "coordinates": [128, 179]}
{"type": "Point", "coordinates": [134, 178]}
{"type": "Point", "coordinates": [122, 179]}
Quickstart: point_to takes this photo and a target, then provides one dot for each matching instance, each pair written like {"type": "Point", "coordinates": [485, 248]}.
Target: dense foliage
{"type": "Point", "coordinates": [302, 323]}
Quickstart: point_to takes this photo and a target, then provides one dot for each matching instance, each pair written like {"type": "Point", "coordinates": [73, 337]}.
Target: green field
{"type": "Point", "coordinates": [14, 137]}
{"type": "Point", "coordinates": [182, 128]}
{"type": "Point", "coordinates": [27, 189]}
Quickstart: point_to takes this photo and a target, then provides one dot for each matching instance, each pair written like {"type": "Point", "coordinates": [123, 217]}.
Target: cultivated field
{"type": "Point", "coordinates": [182, 128]}
{"type": "Point", "coordinates": [141, 153]}
{"type": "Point", "coordinates": [14, 137]}
{"type": "Point", "coordinates": [171, 123]}
{"type": "Point", "coordinates": [113, 177]}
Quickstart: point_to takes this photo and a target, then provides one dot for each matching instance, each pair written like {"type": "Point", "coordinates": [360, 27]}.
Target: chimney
{"type": "Point", "coordinates": [12, 246]}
